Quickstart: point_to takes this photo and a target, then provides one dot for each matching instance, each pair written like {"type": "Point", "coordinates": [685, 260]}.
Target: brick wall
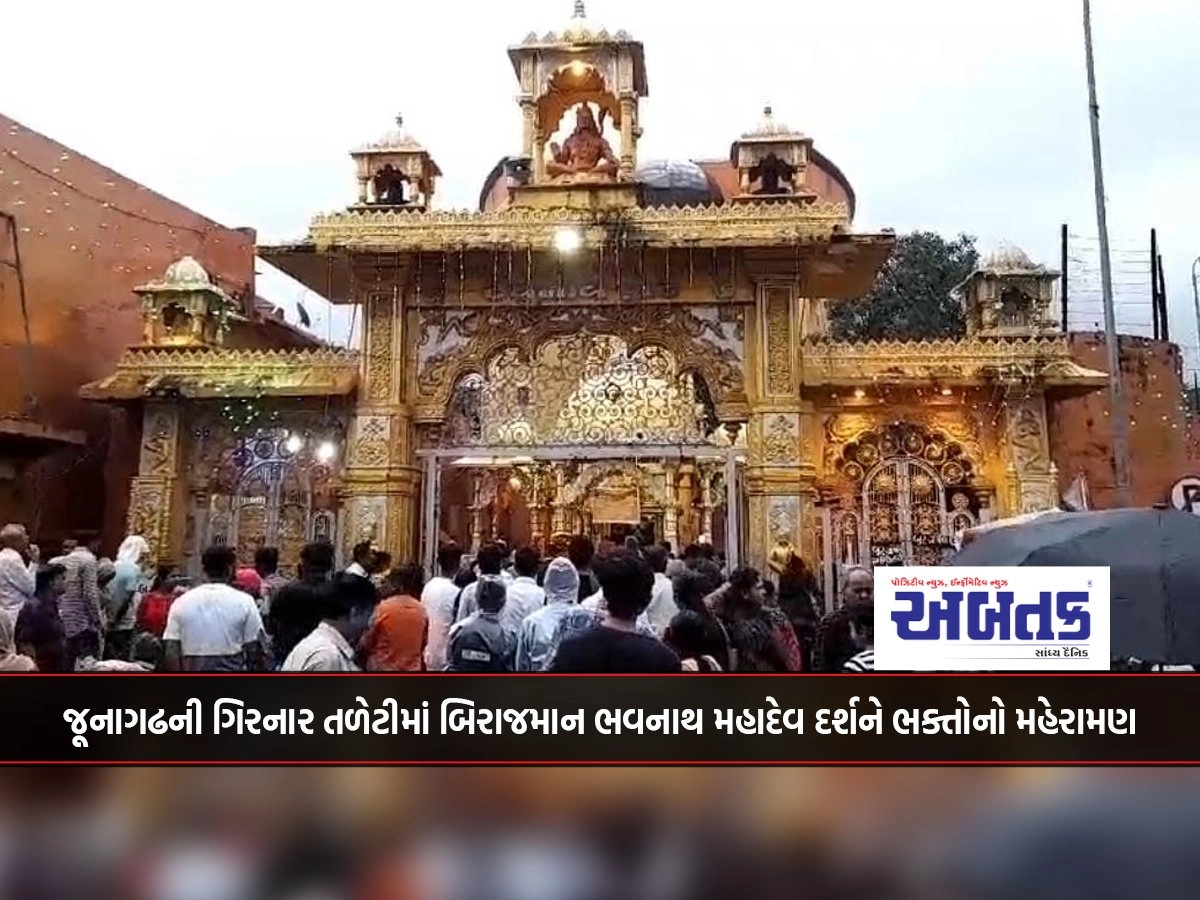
{"type": "Point", "coordinates": [1081, 430]}
{"type": "Point", "coordinates": [87, 237]}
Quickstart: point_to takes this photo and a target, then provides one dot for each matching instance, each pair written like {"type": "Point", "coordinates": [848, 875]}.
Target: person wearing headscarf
{"type": "Point", "coordinates": [535, 640]}
{"type": "Point", "coordinates": [124, 593]}
{"type": "Point", "coordinates": [10, 660]}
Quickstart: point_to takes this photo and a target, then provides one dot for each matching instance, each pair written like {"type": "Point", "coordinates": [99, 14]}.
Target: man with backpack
{"type": "Point", "coordinates": [480, 642]}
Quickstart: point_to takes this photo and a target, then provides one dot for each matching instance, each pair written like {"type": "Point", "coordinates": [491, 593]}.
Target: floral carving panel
{"type": "Point", "coordinates": [380, 364]}
{"type": "Point", "coordinates": [780, 372]}
{"type": "Point", "coordinates": [371, 446]}
{"type": "Point", "coordinates": [454, 343]}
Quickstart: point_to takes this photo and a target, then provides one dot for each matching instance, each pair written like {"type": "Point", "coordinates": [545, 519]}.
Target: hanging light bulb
{"type": "Point", "coordinates": [294, 443]}
{"type": "Point", "coordinates": [326, 451]}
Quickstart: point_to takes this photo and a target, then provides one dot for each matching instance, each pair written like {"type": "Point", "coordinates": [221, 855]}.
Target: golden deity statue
{"type": "Point", "coordinates": [585, 154]}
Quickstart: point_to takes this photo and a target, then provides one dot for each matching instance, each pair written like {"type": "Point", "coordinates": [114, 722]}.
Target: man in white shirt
{"type": "Point", "coordinates": [438, 600]}
{"type": "Point", "coordinates": [18, 569]}
{"type": "Point", "coordinates": [524, 595]}
{"type": "Point", "coordinates": [214, 627]}
{"type": "Point", "coordinates": [662, 608]}
{"type": "Point", "coordinates": [346, 607]}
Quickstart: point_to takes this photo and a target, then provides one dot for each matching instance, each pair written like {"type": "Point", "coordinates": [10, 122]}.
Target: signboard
{"type": "Point", "coordinates": [1185, 495]}
{"type": "Point", "coordinates": [992, 619]}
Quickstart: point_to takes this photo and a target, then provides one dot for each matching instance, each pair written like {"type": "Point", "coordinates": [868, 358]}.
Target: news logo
{"type": "Point", "coordinates": [992, 619]}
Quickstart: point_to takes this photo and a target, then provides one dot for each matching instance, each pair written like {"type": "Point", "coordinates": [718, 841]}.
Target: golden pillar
{"type": "Point", "coordinates": [529, 125]}
{"type": "Point", "coordinates": [780, 484]}
{"type": "Point", "coordinates": [671, 506]}
{"type": "Point", "coordinates": [628, 136]}
{"type": "Point", "coordinates": [157, 495]}
{"type": "Point", "coordinates": [381, 483]}
{"type": "Point", "coordinates": [558, 520]}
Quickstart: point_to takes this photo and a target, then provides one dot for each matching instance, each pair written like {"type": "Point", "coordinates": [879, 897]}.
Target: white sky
{"type": "Point", "coordinates": [950, 115]}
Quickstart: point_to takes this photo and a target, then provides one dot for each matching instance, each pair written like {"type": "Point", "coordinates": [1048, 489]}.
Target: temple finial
{"type": "Point", "coordinates": [580, 12]}
{"type": "Point", "coordinates": [767, 111]}
{"type": "Point", "coordinates": [399, 120]}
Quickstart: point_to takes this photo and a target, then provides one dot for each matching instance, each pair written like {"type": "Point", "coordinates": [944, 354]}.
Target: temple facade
{"type": "Point", "coordinates": [608, 346]}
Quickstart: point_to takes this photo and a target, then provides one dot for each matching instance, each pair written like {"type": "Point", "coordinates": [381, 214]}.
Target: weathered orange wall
{"type": "Point", "coordinates": [1081, 432]}
{"type": "Point", "coordinates": [87, 237]}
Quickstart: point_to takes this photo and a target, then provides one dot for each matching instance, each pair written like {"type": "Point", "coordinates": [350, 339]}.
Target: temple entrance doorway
{"type": "Point", "coordinates": [906, 492]}
{"type": "Point", "coordinates": [593, 436]}
{"type": "Point", "coordinates": [654, 494]}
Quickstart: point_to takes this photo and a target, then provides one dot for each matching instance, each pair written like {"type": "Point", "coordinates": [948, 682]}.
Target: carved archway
{"type": "Point", "coordinates": [906, 490]}
{"type": "Point", "coordinates": [266, 493]}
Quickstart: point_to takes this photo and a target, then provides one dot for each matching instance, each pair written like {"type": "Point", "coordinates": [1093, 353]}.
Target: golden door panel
{"type": "Point", "coordinates": [908, 492]}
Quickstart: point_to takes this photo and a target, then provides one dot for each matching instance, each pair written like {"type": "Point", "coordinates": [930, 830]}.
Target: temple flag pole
{"type": "Point", "coordinates": [1120, 424]}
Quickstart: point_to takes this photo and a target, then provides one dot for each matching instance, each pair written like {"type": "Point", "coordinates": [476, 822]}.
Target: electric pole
{"type": "Point", "coordinates": [1120, 424]}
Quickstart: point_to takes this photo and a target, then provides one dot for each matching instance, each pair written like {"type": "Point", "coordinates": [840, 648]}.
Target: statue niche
{"type": "Point", "coordinates": [774, 176]}
{"type": "Point", "coordinates": [585, 155]}
{"type": "Point", "coordinates": [390, 186]}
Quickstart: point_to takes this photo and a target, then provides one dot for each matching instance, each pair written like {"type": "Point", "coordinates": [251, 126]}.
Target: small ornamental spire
{"type": "Point", "coordinates": [399, 120]}
{"type": "Point", "coordinates": [580, 12]}
{"type": "Point", "coordinates": [768, 113]}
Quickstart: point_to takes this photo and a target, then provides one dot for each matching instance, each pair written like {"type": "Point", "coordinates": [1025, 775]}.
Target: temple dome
{"type": "Point", "coordinates": [579, 30]}
{"type": "Point", "coordinates": [186, 271]}
{"type": "Point", "coordinates": [1009, 258]}
{"type": "Point", "coordinates": [674, 182]}
{"type": "Point", "coordinates": [770, 127]}
{"type": "Point", "coordinates": [395, 139]}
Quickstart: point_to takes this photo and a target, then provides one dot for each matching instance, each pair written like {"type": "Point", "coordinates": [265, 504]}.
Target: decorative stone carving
{"type": "Point", "coordinates": [380, 364]}
{"type": "Point", "coordinates": [737, 225]}
{"type": "Point", "coordinates": [758, 543]}
{"type": "Point", "coordinates": [453, 343]}
{"type": "Point", "coordinates": [1033, 479]}
{"type": "Point", "coordinates": [371, 448]}
{"type": "Point", "coordinates": [160, 438]}
{"type": "Point", "coordinates": [149, 515]}
{"type": "Point", "coordinates": [780, 437]}
{"type": "Point", "coordinates": [778, 323]}
{"type": "Point", "coordinates": [1027, 436]}
{"type": "Point", "coordinates": [783, 515]}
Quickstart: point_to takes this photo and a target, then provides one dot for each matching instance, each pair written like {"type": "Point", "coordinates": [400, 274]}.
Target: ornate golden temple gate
{"type": "Point", "coordinates": [905, 492]}
{"type": "Point", "coordinates": [722, 467]}
{"type": "Point", "coordinates": [559, 419]}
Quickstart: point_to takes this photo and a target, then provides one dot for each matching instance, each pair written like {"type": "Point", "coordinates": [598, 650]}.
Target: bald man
{"type": "Point", "coordinates": [833, 646]}
{"type": "Point", "coordinates": [858, 586]}
{"type": "Point", "coordinates": [18, 570]}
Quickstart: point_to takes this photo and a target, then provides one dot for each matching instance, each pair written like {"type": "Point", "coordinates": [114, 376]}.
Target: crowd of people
{"type": "Point", "coordinates": [630, 609]}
